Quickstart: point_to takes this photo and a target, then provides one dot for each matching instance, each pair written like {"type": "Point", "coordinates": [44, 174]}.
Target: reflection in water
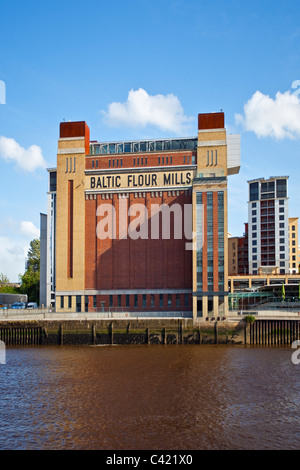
{"type": "Point", "coordinates": [149, 397]}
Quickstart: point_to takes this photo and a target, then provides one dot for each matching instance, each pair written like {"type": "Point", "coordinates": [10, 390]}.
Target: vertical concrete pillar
{"type": "Point", "coordinates": [216, 305]}
{"type": "Point", "coordinates": [205, 306]}
{"type": "Point", "coordinates": [195, 312]}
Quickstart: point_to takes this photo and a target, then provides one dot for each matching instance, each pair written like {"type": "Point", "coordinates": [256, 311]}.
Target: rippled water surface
{"type": "Point", "coordinates": [149, 397]}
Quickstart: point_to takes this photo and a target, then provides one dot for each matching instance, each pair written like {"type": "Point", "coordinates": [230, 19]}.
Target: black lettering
{"type": "Point", "coordinates": [118, 184]}
{"type": "Point", "coordinates": [134, 183]}
{"type": "Point", "coordinates": [188, 178]}
{"type": "Point", "coordinates": [129, 179]}
{"type": "Point", "coordinates": [93, 182]}
{"type": "Point", "coordinates": [147, 180]}
{"type": "Point", "coordinates": [99, 185]}
{"type": "Point", "coordinates": [154, 180]}
{"type": "Point", "coordinates": [167, 178]}
{"type": "Point", "coordinates": [141, 180]}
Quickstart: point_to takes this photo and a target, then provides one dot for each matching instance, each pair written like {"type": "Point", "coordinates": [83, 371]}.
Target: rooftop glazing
{"type": "Point", "coordinates": [137, 146]}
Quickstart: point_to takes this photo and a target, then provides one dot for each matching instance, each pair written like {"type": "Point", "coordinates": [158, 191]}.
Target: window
{"type": "Point", "coordinates": [294, 250]}
{"type": "Point", "coordinates": [78, 303]}
{"type": "Point", "coordinates": [152, 300]}
{"type": "Point", "coordinates": [254, 220]}
{"type": "Point", "coordinates": [138, 161]}
{"type": "Point", "coordinates": [145, 160]}
{"type": "Point", "coordinates": [293, 228]}
{"type": "Point", "coordinates": [171, 159]}
{"type": "Point", "coordinates": [69, 301]}
{"type": "Point", "coordinates": [282, 256]}
{"type": "Point", "coordinates": [253, 204]}
{"type": "Point", "coordinates": [254, 242]}
{"type": "Point", "coordinates": [254, 250]}
{"type": "Point", "coordinates": [135, 300]}
{"type": "Point", "coordinates": [281, 233]}
{"type": "Point", "coordinates": [281, 217]}
{"type": "Point", "coordinates": [127, 300]}
{"type": "Point", "coordinates": [134, 162]}
{"type": "Point", "coordinates": [281, 202]}
{"type": "Point", "coordinates": [254, 212]}
{"type": "Point", "coordinates": [161, 300]}
{"type": "Point", "coordinates": [113, 162]}
{"type": "Point", "coordinates": [281, 225]}
{"type": "Point", "coordinates": [121, 162]}
{"type": "Point", "coordinates": [94, 301]}
{"type": "Point", "coordinates": [110, 300]}
{"type": "Point", "coordinates": [254, 258]}
{"type": "Point", "coordinates": [169, 299]}
{"type": "Point", "coordinates": [254, 265]}
{"type": "Point", "coordinates": [282, 263]}
{"type": "Point", "coordinates": [293, 235]}
{"type": "Point", "coordinates": [281, 188]}
{"type": "Point", "coordinates": [167, 160]}
{"type": "Point", "coordinates": [177, 300]}
{"type": "Point", "coordinates": [254, 192]}
{"type": "Point", "coordinates": [281, 209]}
{"type": "Point", "coordinates": [119, 300]}
{"type": "Point", "coordinates": [93, 164]}
{"type": "Point", "coordinates": [281, 240]}
{"type": "Point", "coordinates": [254, 235]}
{"type": "Point", "coordinates": [186, 300]}
{"type": "Point", "coordinates": [144, 300]}
{"type": "Point", "coordinates": [281, 248]}
{"type": "Point", "coordinates": [163, 160]}
{"type": "Point", "coordinates": [254, 227]}
{"type": "Point", "coordinates": [62, 301]}
{"type": "Point", "coordinates": [109, 163]}
{"type": "Point", "coordinates": [117, 162]}
{"type": "Point", "coordinates": [159, 160]}
{"type": "Point", "coordinates": [293, 243]}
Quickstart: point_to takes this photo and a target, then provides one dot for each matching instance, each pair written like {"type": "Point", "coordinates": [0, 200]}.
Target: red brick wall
{"type": "Point", "coordinates": [136, 264]}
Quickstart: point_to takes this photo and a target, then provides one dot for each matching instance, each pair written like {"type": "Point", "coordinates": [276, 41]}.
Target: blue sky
{"type": "Point", "coordinates": [72, 59]}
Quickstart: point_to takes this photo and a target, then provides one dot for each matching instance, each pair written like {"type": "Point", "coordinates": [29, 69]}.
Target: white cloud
{"type": "Point", "coordinates": [12, 257]}
{"type": "Point", "coordinates": [268, 117]}
{"type": "Point", "coordinates": [15, 238]}
{"type": "Point", "coordinates": [142, 109]}
{"type": "Point", "coordinates": [28, 229]}
{"type": "Point", "coordinates": [28, 160]}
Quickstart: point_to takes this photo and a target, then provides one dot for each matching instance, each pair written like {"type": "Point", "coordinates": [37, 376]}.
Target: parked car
{"type": "Point", "coordinates": [19, 305]}
{"type": "Point", "coordinates": [32, 305]}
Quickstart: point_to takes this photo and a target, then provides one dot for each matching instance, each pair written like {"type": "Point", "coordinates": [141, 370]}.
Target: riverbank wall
{"type": "Point", "coordinates": [148, 331]}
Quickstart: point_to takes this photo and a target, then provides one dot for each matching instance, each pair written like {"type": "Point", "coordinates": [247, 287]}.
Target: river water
{"type": "Point", "coordinates": [181, 397]}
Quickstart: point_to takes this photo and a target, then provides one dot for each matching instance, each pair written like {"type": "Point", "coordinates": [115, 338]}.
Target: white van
{"type": "Point", "coordinates": [32, 305]}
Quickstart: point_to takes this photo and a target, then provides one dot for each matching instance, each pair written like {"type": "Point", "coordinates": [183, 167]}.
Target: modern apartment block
{"type": "Point", "coordinates": [293, 245]}
{"type": "Point", "coordinates": [238, 254]}
{"type": "Point", "coordinates": [268, 224]}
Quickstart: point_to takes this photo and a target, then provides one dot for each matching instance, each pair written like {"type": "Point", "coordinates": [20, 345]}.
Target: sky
{"type": "Point", "coordinates": [143, 69]}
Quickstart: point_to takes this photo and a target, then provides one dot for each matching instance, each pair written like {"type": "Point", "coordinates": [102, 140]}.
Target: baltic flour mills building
{"type": "Point", "coordinates": [139, 226]}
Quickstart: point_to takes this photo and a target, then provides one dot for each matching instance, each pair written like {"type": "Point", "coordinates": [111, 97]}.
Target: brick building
{"type": "Point", "coordinates": [140, 226]}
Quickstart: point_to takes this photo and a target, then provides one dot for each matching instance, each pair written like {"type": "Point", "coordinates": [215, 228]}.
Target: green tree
{"type": "Point", "coordinates": [30, 281]}
{"type": "Point", "coordinates": [3, 279]}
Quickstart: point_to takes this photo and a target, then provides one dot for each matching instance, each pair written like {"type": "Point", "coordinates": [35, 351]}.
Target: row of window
{"type": "Point", "coordinates": [139, 195]}
{"type": "Point", "coordinates": [141, 161]}
{"type": "Point", "coordinates": [153, 303]}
